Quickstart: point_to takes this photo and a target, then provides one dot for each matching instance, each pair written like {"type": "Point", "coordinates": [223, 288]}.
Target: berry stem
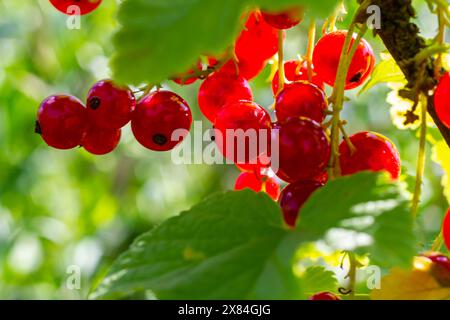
{"type": "Point", "coordinates": [438, 242]}
{"type": "Point", "coordinates": [440, 38]}
{"type": "Point", "coordinates": [421, 159]}
{"type": "Point", "coordinates": [280, 61]}
{"type": "Point", "coordinates": [310, 50]}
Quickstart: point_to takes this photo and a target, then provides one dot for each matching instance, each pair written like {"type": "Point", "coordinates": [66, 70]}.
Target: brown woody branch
{"type": "Point", "coordinates": [402, 39]}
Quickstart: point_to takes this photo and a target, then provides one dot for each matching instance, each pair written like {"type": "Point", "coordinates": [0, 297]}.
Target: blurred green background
{"type": "Point", "coordinates": [64, 208]}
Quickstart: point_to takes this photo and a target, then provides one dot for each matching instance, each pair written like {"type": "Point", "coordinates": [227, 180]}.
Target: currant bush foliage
{"type": "Point", "coordinates": [235, 245]}
{"type": "Point", "coordinates": [160, 38]}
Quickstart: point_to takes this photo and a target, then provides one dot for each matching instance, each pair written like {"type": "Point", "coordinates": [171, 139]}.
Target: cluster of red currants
{"type": "Point", "coordinates": [85, 6]}
{"type": "Point", "coordinates": [65, 123]}
{"type": "Point", "coordinates": [225, 98]}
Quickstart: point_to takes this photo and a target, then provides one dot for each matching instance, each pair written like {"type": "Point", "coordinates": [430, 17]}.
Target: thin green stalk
{"type": "Point", "coordinates": [280, 61]}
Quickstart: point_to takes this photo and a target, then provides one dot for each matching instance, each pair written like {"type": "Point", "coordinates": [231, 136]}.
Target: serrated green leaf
{"type": "Point", "coordinates": [219, 249]}
{"type": "Point", "coordinates": [318, 279]}
{"type": "Point", "coordinates": [369, 204]}
{"type": "Point", "coordinates": [159, 38]}
{"type": "Point", "coordinates": [386, 71]}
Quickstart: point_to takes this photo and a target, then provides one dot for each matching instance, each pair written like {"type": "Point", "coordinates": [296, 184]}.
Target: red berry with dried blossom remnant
{"type": "Point", "coordinates": [285, 19]}
{"type": "Point", "coordinates": [67, 6]}
{"type": "Point", "coordinates": [327, 55]}
{"type": "Point", "coordinates": [101, 141]}
{"type": "Point", "coordinates": [440, 268]}
{"type": "Point", "coordinates": [258, 183]}
{"type": "Point", "coordinates": [304, 149]}
{"type": "Point", "coordinates": [324, 296]}
{"type": "Point", "coordinates": [301, 99]}
{"type": "Point", "coordinates": [294, 196]}
{"type": "Point", "coordinates": [243, 131]}
{"type": "Point", "coordinates": [156, 118]}
{"type": "Point", "coordinates": [109, 105]}
{"type": "Point", "coordinates": [442, 99]}
{"type": "Point", "coordinates": [221, 88]}
{"type": "Point", "coordinates": [446, 229]}
{"type": "Point", "coordinates": [258, 40]}
{"type": "Point", "coordinates": [373, 152]}
{"type": "Point", "coordinates": [61, 121]}
{"type": "Point", "coordinates": [295, 70]}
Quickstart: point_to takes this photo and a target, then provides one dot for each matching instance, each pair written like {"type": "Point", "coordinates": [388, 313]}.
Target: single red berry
{"type": "Point", "coordinates": [257, 41]}
{"type": "Point", "coordinates": [327, 55]}
{"type": "Point", "coordinates": [258, 183]}
{"type": "Point", "coordinates": [285, 19]}
{"type": "Point", "coordinates": [301, 99]}
{"type": "Point", "coordinates": [184, 79]}
{"type": "Point", "coordinates": [442, 99]}
{"type": "Point", "coordinates": [324, 296]}
{"type": "Point", "coordinates": [101, 141]}
{"type": "Point", "coordinates": [373, 152]}
{"type": "Point", "coordinates": [294, 196]}
{"type": "Point", "coordinates": [219, 89]}
{"type": "Point", "coordinates": [110, 105]}
{"type": "Point", "coordinates": [243, 131]}
{"type": "Point", "coordinates": [157, 117]}
{"type": "Point", "coordinates": [440, 269]}
{"type": "Point", "coordinates": [304, 149]}
{"type": "Point", "coordinates": [295, 70]}
{"type": "Point", "coordinates": [446, 229]}
{"type": "Point", "coordinates": [61, 120]}
{"type": "Point", "coordinates": [84, 6]}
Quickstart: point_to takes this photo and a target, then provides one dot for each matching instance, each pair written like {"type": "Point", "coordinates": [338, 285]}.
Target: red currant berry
{"type": "Point", "coordinates": [304, 149]}
{"type": "Point", "coordinates": [85, 6]}
{"type": "Point", "coordinates": [446, 229]}
{"type": "Point", "coordinates": [257, 41]}
{"type": "Point", "coordinates": [61, 120]}
{"type": "Point", "coordinates": [258, 183]}
{"type": "Point", "coordinates": [184, 78]}
{"type": "Point", "coordinates": [219, 89]}
{"type": "Point", "coordinates": [373, 152]}
{"type": "Point", "coordinates": [324, 296]}
{"type": "Point", "coordinates": [284, 19]}
{"type": "Point", "coordinates": [109, 105]}
{"type": "Point", "coordinates": [294, 196]}
{"type": "Point", "coordinates": [157, 117]}
{"type": "Point", "coordinates": [301, 99]}
{"type": "Point", "coordinates": [101, 141]}
{"type": "Point", "coordinates": [242, 131]}
{"type": "Point", "coordinates": [442, 99]}
{"type": "Point", "coordinates": [262, 163]}
{"type": "Point", "coordinates": [295, 70]}
{"type": "Point", "coordinates": [327, 55]}
{"type": "Point", "coordinates": [440, 269]}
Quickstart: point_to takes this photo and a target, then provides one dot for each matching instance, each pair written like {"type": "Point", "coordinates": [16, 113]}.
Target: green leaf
{"type": "Point", "coordinates": [386, 71]}
{"type": "Point", "coordinates": [367, 204]}
{"type": "Point", "coordinates": [159, 38]}
{"type": "Point", "coordinates": [318, 279]}
{"type": "Point", "coordinates": [228, 247]}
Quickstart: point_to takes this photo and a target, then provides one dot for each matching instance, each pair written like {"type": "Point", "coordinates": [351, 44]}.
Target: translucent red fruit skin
{"type": "Point", "coordinates": [301, 99]}
{"type": "Point", "coordinates": [86, 6]}
{"type": "Point", "coordinates": [442, 99]}
{"type": "Point", "coordinates": [246, 68]}
{"type": "Point", "coordinates": [101, 141]}
{"type": "Point", "coordinates": [446, 229]}
{"type": "Point", "coordinates": [61, 121]}
{"type": "Point", "coordinates": [258, 40]}
{"type": "Point", "coordinates": [258, 183]}
{"type": "Point", "coordinates": [248, 117]}
{"type": "Point", "coordinates": [157, 116]}
{"type": "Point", "coordinates": [327, 55]}
{"type": "Point", "coordinates": [285, 19]}
{"type": "Point", "coordinates": [374, 152]}
{"type": "Point", "coordinates": [109, 105]}
{"type": "Point", "coordinates": [219, 89]}
{"type": "Point", "coordinates": [324, 296]}
{"type": "Point", "coordinates": [304, 149]}
{"type": "Point", "coordinates": [440, 269]}
{"type": "Point", "coordinates": [295, 70]}
{"type": "Point", "coordinates": [294, 196]}
{"type": "Point", "coordinates": [184, 79]}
